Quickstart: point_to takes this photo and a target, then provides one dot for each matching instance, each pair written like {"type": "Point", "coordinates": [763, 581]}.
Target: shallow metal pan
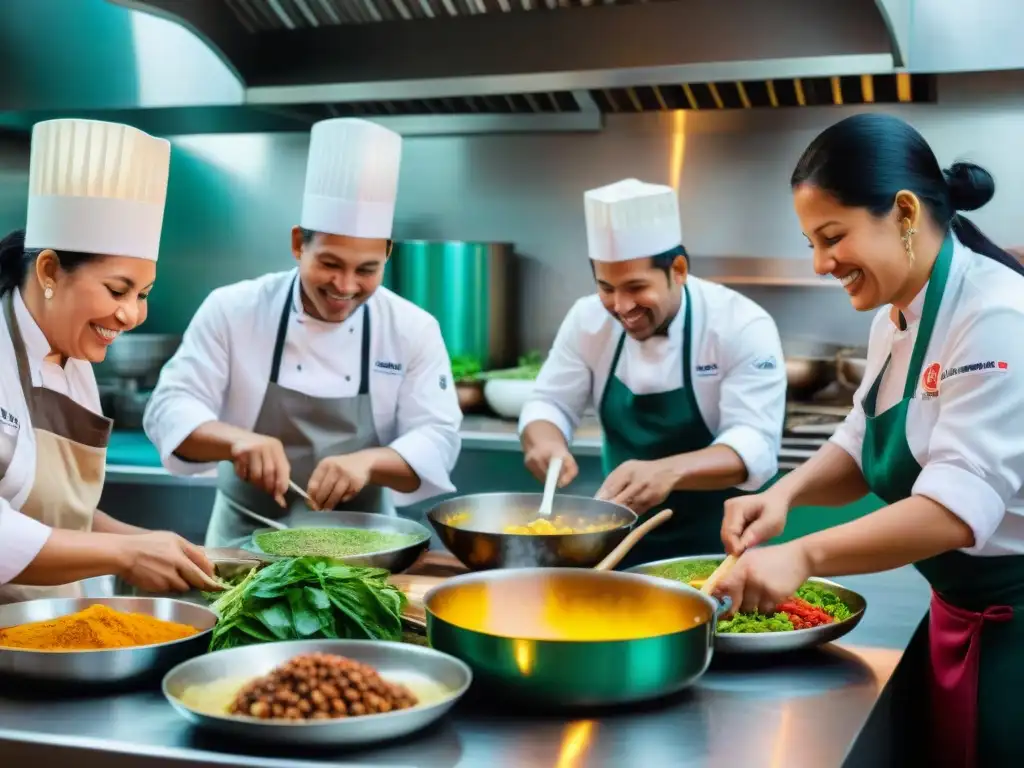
{"type": "Point", "coordinates": [776, 642]}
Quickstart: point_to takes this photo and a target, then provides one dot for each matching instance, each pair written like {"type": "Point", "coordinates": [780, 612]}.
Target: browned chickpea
{"type": "Point", "coordinates": [356, 709]}
{"type": "Point", "coordinates": [259, 709]}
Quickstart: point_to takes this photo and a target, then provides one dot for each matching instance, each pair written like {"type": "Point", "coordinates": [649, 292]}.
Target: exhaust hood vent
{"type": "Point", "coordinates": [805, 92]}
{"type": "Point", "coordinates": [747, 94]}
{"type": "Point", "coordinates": [269, 15]}
{"type": "Point", "coordinates": [539, 57]}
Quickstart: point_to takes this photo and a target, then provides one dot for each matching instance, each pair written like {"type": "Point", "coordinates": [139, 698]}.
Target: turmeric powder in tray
{"type": "Point", "coordinates": [98, 627]}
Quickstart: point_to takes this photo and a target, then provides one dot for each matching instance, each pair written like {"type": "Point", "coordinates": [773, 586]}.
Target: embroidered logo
{"type": "Point", "coordinates": [930, 380]}
{"type": "Point", "coordinates": [989, 366]}
{"type": "Point", "coordinates": [707, 369]}
{"type": "Point", "coordinates": [386, 366]}
{"type": "Point", "coordinates": [442, 381]}
{"type": "Point", "coordinates": [8, 421]}
{"type": "Point", "coordinates": [765, 363]}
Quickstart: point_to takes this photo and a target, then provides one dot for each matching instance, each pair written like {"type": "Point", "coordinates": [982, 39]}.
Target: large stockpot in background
{"type": "Point", "coordinates": [471, 288]}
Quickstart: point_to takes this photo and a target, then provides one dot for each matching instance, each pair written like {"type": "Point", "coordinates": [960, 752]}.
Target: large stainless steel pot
{"type": "Point", "coordinates": [469, 287]}
{"type": "Point", "coordinates": [501, 623]}
{"type": "Point", "coordinates": [478, 539]}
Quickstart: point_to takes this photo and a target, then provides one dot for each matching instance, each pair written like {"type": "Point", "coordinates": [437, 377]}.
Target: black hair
{"type": "Point", "coordinates": [16, 260]}
{"type": "Point", "coordinates": [662, 261]}
{"type": "Point", "coordinates": [865, 160]}
{"type": "Point", "coordinates": [309, 234]}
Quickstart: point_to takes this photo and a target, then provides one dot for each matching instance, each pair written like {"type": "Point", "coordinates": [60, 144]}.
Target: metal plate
{"type": "Point", "coordinates": [397, 662]}
{"type": "Point", "coordinates": [480, 541]}
{"type": "Point", "coordinates": [395, 560]}
{"type": "Point", "coordinates": [777, 642]}
{"type": "Point", "coordinates": [116, 665]}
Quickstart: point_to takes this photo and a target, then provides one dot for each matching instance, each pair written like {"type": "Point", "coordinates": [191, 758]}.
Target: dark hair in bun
{"type": "Point", "coordinates": [970, 186]}
{"type": "Point", "coordinates": [865, 160]}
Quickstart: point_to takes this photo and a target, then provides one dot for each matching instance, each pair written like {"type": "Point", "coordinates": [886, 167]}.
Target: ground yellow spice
{"type": "Point", "coordinates": [97, 627]}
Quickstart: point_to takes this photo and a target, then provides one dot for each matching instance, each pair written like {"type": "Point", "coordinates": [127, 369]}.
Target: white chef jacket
{"type": "Point", "coordinates": [21, 537]}
{"type": "Point", "coordinates": [739, 375]}
{"type": "Point", "coordinates": [969, 438]}
{"type": "Point", "coordinates": [221, 370]}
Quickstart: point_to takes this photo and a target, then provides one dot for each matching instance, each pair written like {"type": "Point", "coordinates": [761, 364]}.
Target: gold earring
{"type": "Point", "coordinates": [908, 245]}
{"type": "Point", "coordinates": [48, 292]}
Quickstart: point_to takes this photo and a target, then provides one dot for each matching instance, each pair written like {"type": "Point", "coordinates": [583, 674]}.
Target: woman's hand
{"type": "Point", "coordinates": [751, 520]}
{"type": "Point", "coordinates": [164, 562]}
{"type": "Point", "coordinates": [763, 578]}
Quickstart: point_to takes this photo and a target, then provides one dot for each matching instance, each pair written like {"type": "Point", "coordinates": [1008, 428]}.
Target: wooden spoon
{"type": "Point", "coordinates": [719, 573]}
{"type": "Point", "coordinates": [614, 557]}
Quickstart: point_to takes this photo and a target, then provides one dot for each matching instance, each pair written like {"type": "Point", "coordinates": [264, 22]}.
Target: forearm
{"type": "Point", "coordinates": [902, 533]}
{"type": "Point", "coordinates": [390, 470]}
{"type": "Point", "coordinates": [830, 478]}
{"type": "Point", "coordinates": [71, 556]}
{"type": "Point", "coordinates": [104, 523]}
{"type": "Point", "coordinates": [709, 469]}
{"type": "Point", "coordinates": [539, 433]}
{"type": "Point", "coordinates": [210, 442]}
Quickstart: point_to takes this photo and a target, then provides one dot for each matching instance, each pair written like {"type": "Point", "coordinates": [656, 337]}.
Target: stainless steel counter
{"type": "Point", "coordinates": [804, 711]}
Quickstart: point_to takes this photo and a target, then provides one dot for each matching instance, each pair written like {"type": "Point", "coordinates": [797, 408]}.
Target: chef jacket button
{"type": "Point", "coordinates": [348, 378]}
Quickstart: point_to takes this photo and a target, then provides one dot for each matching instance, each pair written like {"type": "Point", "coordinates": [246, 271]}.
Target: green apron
{"type": "Point", "coordinates": [975, 627]}
{"type": "Point", "coordinates": [655, 426]}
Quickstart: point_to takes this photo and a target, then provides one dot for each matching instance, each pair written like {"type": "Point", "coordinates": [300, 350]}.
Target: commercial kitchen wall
{"type": "Point", "coordinates": [233, 198]}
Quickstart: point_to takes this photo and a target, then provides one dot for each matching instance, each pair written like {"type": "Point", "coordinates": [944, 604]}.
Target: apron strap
{"type": "Point", "coordinates": [932, 302]}
{"type": "Point", "coordinates": [20, 353]}
{"type": "Point", "coordinates": [687, 344]}
{"type": "Point", "coordinates": [364, 366]}
{"type": "Point", "coordinates": [282, 333]}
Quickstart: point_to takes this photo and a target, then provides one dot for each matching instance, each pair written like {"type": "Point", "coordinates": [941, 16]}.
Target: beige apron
{"type": "Point", "coordinates": [71, 455]}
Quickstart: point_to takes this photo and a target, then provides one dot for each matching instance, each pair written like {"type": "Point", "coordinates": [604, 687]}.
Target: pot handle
{"type": "Point", "coordinates": [724, 604]}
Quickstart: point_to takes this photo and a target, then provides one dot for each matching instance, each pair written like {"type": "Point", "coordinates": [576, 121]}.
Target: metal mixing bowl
{"type": "Point", "coordinates": [397, 662]}
{"type": "Point", "coordinates": [116, 665]}
{"type": "Point", "coordinates": [479, 541]}
{"type": "Point", "coordinates": [464, 618]}
{"type": "Point", "coordinates": [395, 560]}
{"type": "Point", "coordinates": [776, 642]}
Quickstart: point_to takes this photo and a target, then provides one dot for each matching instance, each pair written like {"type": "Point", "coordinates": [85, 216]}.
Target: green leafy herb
{"type": "Point", "coordinates": [335, 543]}
{"type": "Point", "coordinates": [528, 368]}
{"type": "Point", "coordinates": [308, 598]}
{"type": "Point", "coordinates": [465, 368]}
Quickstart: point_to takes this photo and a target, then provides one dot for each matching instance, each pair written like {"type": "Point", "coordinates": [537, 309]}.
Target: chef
{"type": "Point", "coordinates": [935, 428]}
{"type": "Point", "coordinates": [316, 376]}
{"type": "Point", "coordinates": [687, 377]}
{"type": "Point", "coordinates": [71, 282]}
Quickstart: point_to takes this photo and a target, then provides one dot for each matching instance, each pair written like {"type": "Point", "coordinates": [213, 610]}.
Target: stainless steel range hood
{"type": "Point", "coordinates": [546, 64]}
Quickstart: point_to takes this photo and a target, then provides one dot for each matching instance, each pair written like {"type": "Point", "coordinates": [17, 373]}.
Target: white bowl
{"type": "Point", "coordinates": [506, 397]}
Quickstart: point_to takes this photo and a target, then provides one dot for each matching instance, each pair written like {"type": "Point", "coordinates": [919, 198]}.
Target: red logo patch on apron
{"type": "Point", "coordinates": [930, 379]}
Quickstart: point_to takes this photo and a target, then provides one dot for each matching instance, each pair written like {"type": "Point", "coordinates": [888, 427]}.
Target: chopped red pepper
{"type": "Point", "coordinates": [803, 615]}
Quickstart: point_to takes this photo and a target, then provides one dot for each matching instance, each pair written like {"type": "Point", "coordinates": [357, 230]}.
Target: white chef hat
{"type": "Point", "coordinates": [96, 187]}
{"type": "Point", "coordinates": [351, 178]}
{"type": "Point", "coordinates": [631, 219]}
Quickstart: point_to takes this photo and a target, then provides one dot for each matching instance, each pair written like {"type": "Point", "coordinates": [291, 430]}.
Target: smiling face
{"type": "Point", "coordinates": [93, 303]}
{"type": "Point", "coordinates": [863, 251]}
{"type": "Point", "coordinates": [338, 273]}
{"type": "Point", "coordinates": [640, 294]}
